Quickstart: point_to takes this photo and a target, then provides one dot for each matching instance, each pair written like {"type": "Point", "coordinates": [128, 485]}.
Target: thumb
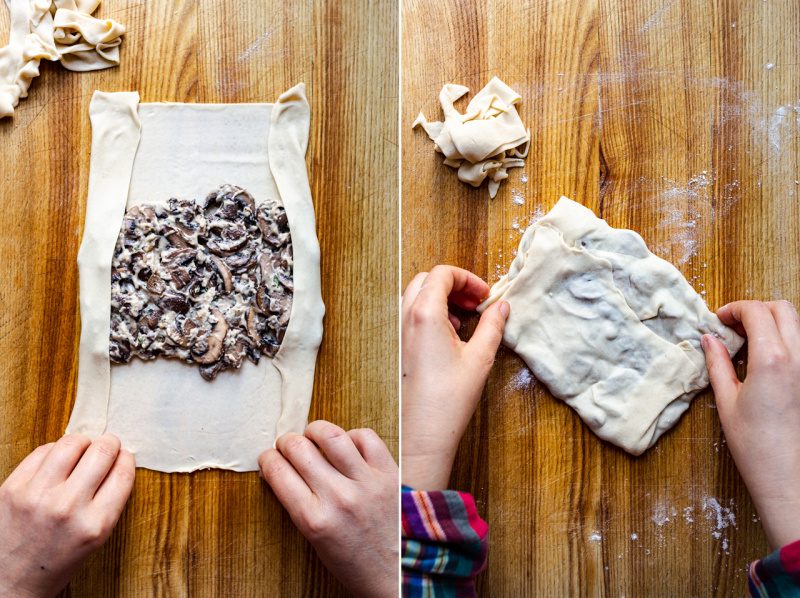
{"type": "Point", "coordinates": [720, 370]}
{"type": "Point", "coordinates": [489, 332]}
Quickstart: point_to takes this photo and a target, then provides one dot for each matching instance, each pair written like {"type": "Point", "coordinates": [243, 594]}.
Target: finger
{"type": "Point", "coordinates": [284, 480]}
{"type": "Point", "coordinates": [61, 460]}
{"type": "Point", "coordinates": [787, 321]}
{"type": "Point", "coordinates": [411, 292]}
{"type": "Point", "coordinates": [756, 318]}
{"type": "Point", "coordinates": [305, 457]}
{"type": "Point", "coordinates": [338, 448]}
{"type": "Point", "coordinates": [29, 465]}
{"type": "Point", "coordinates": [93, 467]}
{"type": "Point", "coordinates": [116, 488]}
{"type": "Point", "coordinates": [373, 450]}
{"type": "Point", "coordinates": [456, 284]}
{"type": "Point", "coordinates": [720, 371]}
{"type": "Point", "coordinates": [456, 323]}
{"type": "Point", "coordinates": [489, 333]}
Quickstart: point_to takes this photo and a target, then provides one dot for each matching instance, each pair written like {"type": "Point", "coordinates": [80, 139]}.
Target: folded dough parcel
{"type": "Point", "coordinates": [611, 329]}
{"type": "Point", "coordinates": [162, 410]}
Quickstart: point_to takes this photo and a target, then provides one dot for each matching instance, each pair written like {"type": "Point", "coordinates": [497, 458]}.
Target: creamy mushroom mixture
{"type": "Point", "coordinates": [208, 282]}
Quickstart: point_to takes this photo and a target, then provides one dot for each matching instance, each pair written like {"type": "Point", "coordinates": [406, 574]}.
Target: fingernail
{"type": "Point", "coordinates": [505, 309]}
{"type": "Point", "coordinates": [704, 341]}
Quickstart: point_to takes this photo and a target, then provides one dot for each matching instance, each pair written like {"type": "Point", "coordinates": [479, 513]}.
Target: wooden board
{"type": "Point", "coordinates": [678, 120]}
{"type": "Point", "coordinates": [210, 533]}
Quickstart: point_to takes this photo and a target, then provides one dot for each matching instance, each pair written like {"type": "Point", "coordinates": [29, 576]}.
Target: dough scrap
{"type": "Point", "coordinates": [163, 412]}
{"type": "Point", "coordinates": [61, 30]}
{"type": "Point", "coordinates": [484, 142]}
{"type": "Point", "coordinates": [611, 329]}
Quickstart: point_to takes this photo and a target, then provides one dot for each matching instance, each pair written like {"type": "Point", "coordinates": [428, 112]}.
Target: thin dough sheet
{"type": "Point", "coordinates": [163, 410]}
{"type": "Point", "coordinates": [611, 329]}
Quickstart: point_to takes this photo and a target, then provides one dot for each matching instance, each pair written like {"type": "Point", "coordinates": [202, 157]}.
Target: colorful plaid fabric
{"type": "Point", "coordinates": [777, 575]}
{"type": "Point", "coordinates": [444, 544]}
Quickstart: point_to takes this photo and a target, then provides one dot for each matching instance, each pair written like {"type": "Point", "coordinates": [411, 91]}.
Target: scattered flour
{"type": "Point", "coordinates": [662, 514]}
{"type": "Point", "coordinates": [521, 380]}
{"type": "Point", "coordinates": [524, 178]}
{"type": "Point", "coordinates": [722, 516]}
{"type": "Point", "coordinates": [595, 537]}
{"type": "Point", "coordinates": [770, 66]}
{"type": "Point", "coordinates": [517, 198]}
{"type": "Point", "coordinates": [634, 537]}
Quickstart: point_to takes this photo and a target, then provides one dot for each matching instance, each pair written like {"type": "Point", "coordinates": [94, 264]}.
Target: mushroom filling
{"type": "Point", "coordinates": [208, 282]}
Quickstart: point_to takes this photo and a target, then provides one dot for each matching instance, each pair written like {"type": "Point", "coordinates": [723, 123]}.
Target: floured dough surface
{"type": "Point", "coordinates": [611, 329]}
{"type": "Point", "coordinates": [61, 30]}
{"type": "Point", "coordinates": [485, 141]}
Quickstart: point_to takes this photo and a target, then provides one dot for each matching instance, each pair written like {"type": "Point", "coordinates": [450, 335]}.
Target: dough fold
{"type": "Point", "coordinates": [611, 329]}
{"type": "Point", "coordinates": [62, 30]}
{"type": "Point", "coordinates": [485, 141]}
{"type": "Point", "coordinates": [170, 418]}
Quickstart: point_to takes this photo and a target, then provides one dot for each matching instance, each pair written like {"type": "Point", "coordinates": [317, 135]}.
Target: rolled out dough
{"type": "Point", "coordinates": [611, 329]}
{"type": "Point", "coordinates": [167, 415]}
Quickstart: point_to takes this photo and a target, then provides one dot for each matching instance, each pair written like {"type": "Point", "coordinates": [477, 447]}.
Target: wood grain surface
{"type": "Point", "coordinates": [211, 533]}
{"type": "Point", "coordinates": [677, 119]}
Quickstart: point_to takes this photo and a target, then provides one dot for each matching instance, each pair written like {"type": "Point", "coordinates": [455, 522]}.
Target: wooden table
{"type": "Point", "coordinates": [678, 120]}
{"type": "Point", "coordinates": [211, 533]}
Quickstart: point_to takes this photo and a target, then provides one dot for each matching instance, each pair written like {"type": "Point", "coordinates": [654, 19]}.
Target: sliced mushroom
{"type": "Point", "coordinates": [138, 221]}
{"type": "Point", "coordinates": [232, 239]}
{"type": "Point", "coordinates": [176, 238]}
{"type": "Point", "coordinates": [246, 200]}
{"type": "Point", "coordinates": [253, 353]}
{"type": "Point", "coordinates": [180, 276]}
{"type": "Point", "coordinates": [120, 273]}
{"type": "Point", "coordinates": [235, 354]}
{"type": "Point", "coordinates": [242, 260]}
{"type": "Point", "coordinates": [253, 326]}
{"type": "Point", "coordinates": [224, 273]}
{"type": "Point", "coordinates": [281, 305]}
{"type": "Point", "coordinates": [286, 281]}
{"type": "Point", "coordinates": [209, 372]}
{"type": "Point", "coordinates": [176, 333]}
{"type": "Point", "coordinates": [119, 351]}
{"type": "Point", "coordinates": [262, 299]}
{"type": "Point", "coordinates": [144, 274]}
{"type": "Point", "coordinates": [173, 301]}
{"type": "Point", "coordinates": [177, 256]}
{"type": "Point", "coordinates": [271, 347]}
{"type": "Point", "coordinates": [153, 318]}
{"type": "Point", "coordinates": [156, 285]}
{"type": "Point", "coordinates": [215, 339]}
{"type": "Point", "coordinates": [269, 229]}
{"type": "Point", "coordinates": [282, 220]}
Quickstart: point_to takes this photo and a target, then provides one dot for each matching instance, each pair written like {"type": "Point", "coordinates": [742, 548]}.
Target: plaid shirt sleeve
{"type": "Point", "coordinates": [444, 544]}
{"type": "Point", "coordinates": [777, 575]}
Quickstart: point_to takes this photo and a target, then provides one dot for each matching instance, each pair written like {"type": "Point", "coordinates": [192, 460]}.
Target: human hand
{"type": "Point", "coordinates": [56, 508]}
{"type": "Point", "coordinates": [346, 502]}
{"type": "Point", "coordinates": [443, 377]}
{"type": "Point", "coordinates": [761, 416]}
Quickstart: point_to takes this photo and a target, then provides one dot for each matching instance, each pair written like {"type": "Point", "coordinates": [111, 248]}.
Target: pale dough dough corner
{"type": "Point", "coordinates": [611, 329]}
{"type": "Point", "coordinates": [167, 415]}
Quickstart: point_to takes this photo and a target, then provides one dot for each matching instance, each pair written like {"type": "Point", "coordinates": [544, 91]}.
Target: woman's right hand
{"type": "Point", "coordinates": [442, 376]}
